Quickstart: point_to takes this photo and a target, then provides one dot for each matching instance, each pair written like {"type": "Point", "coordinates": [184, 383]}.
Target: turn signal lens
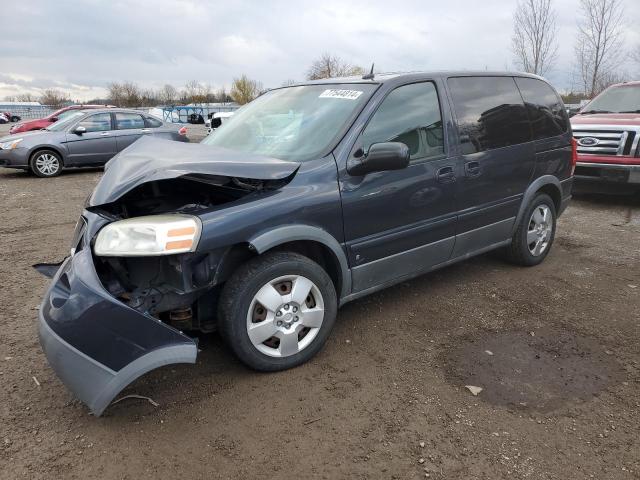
{"type": "Point", "coordinates": [149, 236]}
{"type": "Point", "coordinates": [574, 155]}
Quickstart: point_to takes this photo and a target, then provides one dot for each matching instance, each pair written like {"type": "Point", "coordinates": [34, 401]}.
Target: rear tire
{"type": "Point", "coordinates": [46, 163]}
{"type": "Point", "coordinates": [534, 234]}
{"type": "Point", "coordinates": [277, 310]}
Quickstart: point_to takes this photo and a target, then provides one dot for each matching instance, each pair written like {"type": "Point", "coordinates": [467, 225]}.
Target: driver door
{"type": "Point", "coordinates": [96, 145]}
{"type": "Point", "coordinates": [402, 222]}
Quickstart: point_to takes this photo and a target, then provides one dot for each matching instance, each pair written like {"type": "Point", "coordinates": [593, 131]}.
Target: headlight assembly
{"type": "Point", "coordinates": [10, 145]}
{"type": "Point", "coordinates": [149, 236]}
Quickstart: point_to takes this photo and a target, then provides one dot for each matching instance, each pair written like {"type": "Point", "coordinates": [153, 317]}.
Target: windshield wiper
{"type": "Point", "coordinates": [591, 112]}
{"type": "Point", "coordinates": [631, 111]}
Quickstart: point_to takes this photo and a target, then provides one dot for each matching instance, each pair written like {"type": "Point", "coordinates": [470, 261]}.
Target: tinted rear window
{"type": "Point", "coordinates": [546, 111]}
{"type": "Point", "coordinates": [490, 113]}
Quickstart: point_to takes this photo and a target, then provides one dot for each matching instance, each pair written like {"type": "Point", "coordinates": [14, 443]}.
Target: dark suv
{"type": "Point", "coordinates": [309, 197]}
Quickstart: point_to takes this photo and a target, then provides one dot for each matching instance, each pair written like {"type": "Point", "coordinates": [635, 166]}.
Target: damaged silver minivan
{"type": "Point", "coordinates": [309, 197]}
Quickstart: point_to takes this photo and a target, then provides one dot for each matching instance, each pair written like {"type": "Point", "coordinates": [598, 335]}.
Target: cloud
{"type": "Point", "coordinates": [82, 46]}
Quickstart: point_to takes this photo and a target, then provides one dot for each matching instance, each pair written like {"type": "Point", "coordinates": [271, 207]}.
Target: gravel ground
{"type": "Point", "coordinates": [554, 348]}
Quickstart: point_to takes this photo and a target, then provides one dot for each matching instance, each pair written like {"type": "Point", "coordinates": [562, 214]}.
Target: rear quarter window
{"type": "Point", "coordinates": [546, 110]}
{"type": "Point", "coordinates": [152, 122]}
{"type": "Point", "coordinates": [490, 113]}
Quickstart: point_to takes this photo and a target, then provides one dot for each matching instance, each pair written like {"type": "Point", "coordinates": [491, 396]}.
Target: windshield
{"type": "Point", "coordinates": [622, 99]}
{"type": "Point", "coordinates": [66, 121]}
{"type": "Point", "coordinates": [295, 123]}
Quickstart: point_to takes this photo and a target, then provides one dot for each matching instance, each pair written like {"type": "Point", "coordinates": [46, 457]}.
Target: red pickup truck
{"type": "Point", "coordinates": [607, 133]}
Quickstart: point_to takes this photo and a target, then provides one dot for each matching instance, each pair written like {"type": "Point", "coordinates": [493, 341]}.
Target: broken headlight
{"type": "Point", "coordinates": [149, 236]}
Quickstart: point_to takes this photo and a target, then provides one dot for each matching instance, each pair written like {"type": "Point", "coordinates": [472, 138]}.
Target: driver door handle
{"type": "Point", "coordinates": [446, 174]}
{"type": "Point", "coordinates": [104, 134]}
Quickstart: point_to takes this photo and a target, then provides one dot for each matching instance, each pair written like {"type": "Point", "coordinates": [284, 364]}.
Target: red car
{"type": "Point", "coordinates": [41, 123]}
{"type": "Point", "coordinates": [607, 132]}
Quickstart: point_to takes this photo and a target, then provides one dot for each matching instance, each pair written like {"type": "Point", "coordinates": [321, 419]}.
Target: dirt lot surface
{"type": "Point", "coordinates": [554, 348]}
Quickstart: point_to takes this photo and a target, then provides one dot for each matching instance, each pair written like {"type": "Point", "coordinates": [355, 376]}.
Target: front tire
{"type": "Point", "coordinates": [277, 310]}
{"type": "Point", "coordinates": [45, 164]}
{"type": "Point", "coordinates": [535, 233]}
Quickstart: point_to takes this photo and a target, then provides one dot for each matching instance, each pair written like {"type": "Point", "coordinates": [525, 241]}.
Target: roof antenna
{"type": "Point", "coordinates": [370, 75]}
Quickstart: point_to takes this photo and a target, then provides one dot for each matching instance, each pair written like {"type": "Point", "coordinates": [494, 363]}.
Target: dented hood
{"type": "Point", "coordinates": [151, 159]}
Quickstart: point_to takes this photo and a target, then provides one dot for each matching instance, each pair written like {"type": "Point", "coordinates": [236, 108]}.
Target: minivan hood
{"type": "Point", "coordinates": [151, 159]}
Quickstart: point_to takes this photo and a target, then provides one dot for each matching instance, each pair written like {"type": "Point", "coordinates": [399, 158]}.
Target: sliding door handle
{"type": "Point", "coordinates": [446, 174]}
{"type": "Point", "coordinates": [472, 169]}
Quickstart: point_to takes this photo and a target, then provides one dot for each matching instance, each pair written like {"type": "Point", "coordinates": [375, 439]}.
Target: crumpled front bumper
{"type": "Point", "coordinates": [96, 344]}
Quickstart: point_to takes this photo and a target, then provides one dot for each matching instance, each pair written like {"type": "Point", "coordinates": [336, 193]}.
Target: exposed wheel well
{"type": "Point", "coordinates": [554, 193]}
{"type": "Point", "coordinates": [316, 251]}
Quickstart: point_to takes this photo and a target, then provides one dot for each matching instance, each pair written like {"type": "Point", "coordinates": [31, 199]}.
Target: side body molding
{"type": "Point", "coordinates": [290, 233]}
{"type": "Point", "coordinates": [531, 190]}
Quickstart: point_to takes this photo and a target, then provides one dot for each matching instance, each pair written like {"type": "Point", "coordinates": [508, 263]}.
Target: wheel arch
{"type": "Point", "coordinates": [40, 148]}
{"type": "Point", "coordinates": [313, 242]}
{"type": "Point", "coordinates": [546, 184]}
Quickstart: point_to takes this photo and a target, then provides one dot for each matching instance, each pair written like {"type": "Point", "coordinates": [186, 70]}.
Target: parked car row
{"type": "Point", "coordinates": [82, 137]}
{"type": "Point", "coordinates": [312, 196]}
{"type": "Point", "coordinates": [7, 117]}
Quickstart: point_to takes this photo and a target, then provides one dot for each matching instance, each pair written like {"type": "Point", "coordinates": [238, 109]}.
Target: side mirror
{"type": "Point", "coordinates": [79, 130]}
{"type": "Point", "coordinates": [380, 157]}
{"type": "Point", "coordinates": [54, 119]}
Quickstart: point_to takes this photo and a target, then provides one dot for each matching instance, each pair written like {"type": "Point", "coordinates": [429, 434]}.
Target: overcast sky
{"type": "Point", "coordinates": [82, 45]}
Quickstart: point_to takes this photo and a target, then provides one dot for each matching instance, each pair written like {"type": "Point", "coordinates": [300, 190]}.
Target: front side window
{"type": "Point", "coordinates": [128, 121]}
{"type": "Point", "coordinates": [294, 123]}
{"type": "Point", "coordinates": [546, 110]}
{"type": "Point", "coordinates": [490, 113]}
{"type": "Point", "coordinates": [411, 115]}
{"type": "Point", "coordinates": [100, 122]}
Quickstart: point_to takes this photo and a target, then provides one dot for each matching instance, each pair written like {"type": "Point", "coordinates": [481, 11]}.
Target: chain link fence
{"type": "Point", "coordinates": [27, 112]}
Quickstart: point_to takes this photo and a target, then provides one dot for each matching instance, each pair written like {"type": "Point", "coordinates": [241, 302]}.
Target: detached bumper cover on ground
{"type": "Point", "coordinates": [97, 345]}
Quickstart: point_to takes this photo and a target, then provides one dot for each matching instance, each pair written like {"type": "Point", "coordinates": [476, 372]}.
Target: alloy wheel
{"type": "Point", "coordinates": [47, 164]}
{"type": "Point", "coordinates": [539, 230]}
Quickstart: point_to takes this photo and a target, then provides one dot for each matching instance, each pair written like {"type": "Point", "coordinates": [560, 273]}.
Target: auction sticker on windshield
{"type": "Point", "coordinates": [346, 94]}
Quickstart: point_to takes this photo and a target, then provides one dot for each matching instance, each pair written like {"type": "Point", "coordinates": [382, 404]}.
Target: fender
{"type": "Point", "coordinates": [45, 146]}
{"type": "Point", "coordinates": [272, 238]}
{"type": "Point", "coordinates": [530, 192]}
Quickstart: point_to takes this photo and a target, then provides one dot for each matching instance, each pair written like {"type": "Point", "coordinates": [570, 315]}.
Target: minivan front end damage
{"type": "Point", "coordinates": [107, 319]}
{"type": "Point", "coordinates": [96, 344]}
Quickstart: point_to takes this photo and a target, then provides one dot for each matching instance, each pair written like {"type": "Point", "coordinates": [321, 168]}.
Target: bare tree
{"type": "Point", "coordinates": [243, 89]}
{"type": "Point", "coordinates": [167, 95]}
{"type": "Point", "coordinates": [10, 98]}
{"type": "Point", "coordinates": [223, 96]}
{"type": "Point", "coordinates": [116, 94]}
{"type": "Point", "coordinates": [534, 36]}
{"type": "Point", "coordinates": [599, 43]}
{"type": "Point", "coordinates": [26, 97]}
{"type": "Point", "coordinates": [132, 94]}
{"type": "Point", "coordinates": [331, 66]}
{"type": "Point", "coordinates": [191, 91]}
{"type": "Point", "coordinates": [126, 94]}
{"type": "Point", "coordinates": [53, 97]}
